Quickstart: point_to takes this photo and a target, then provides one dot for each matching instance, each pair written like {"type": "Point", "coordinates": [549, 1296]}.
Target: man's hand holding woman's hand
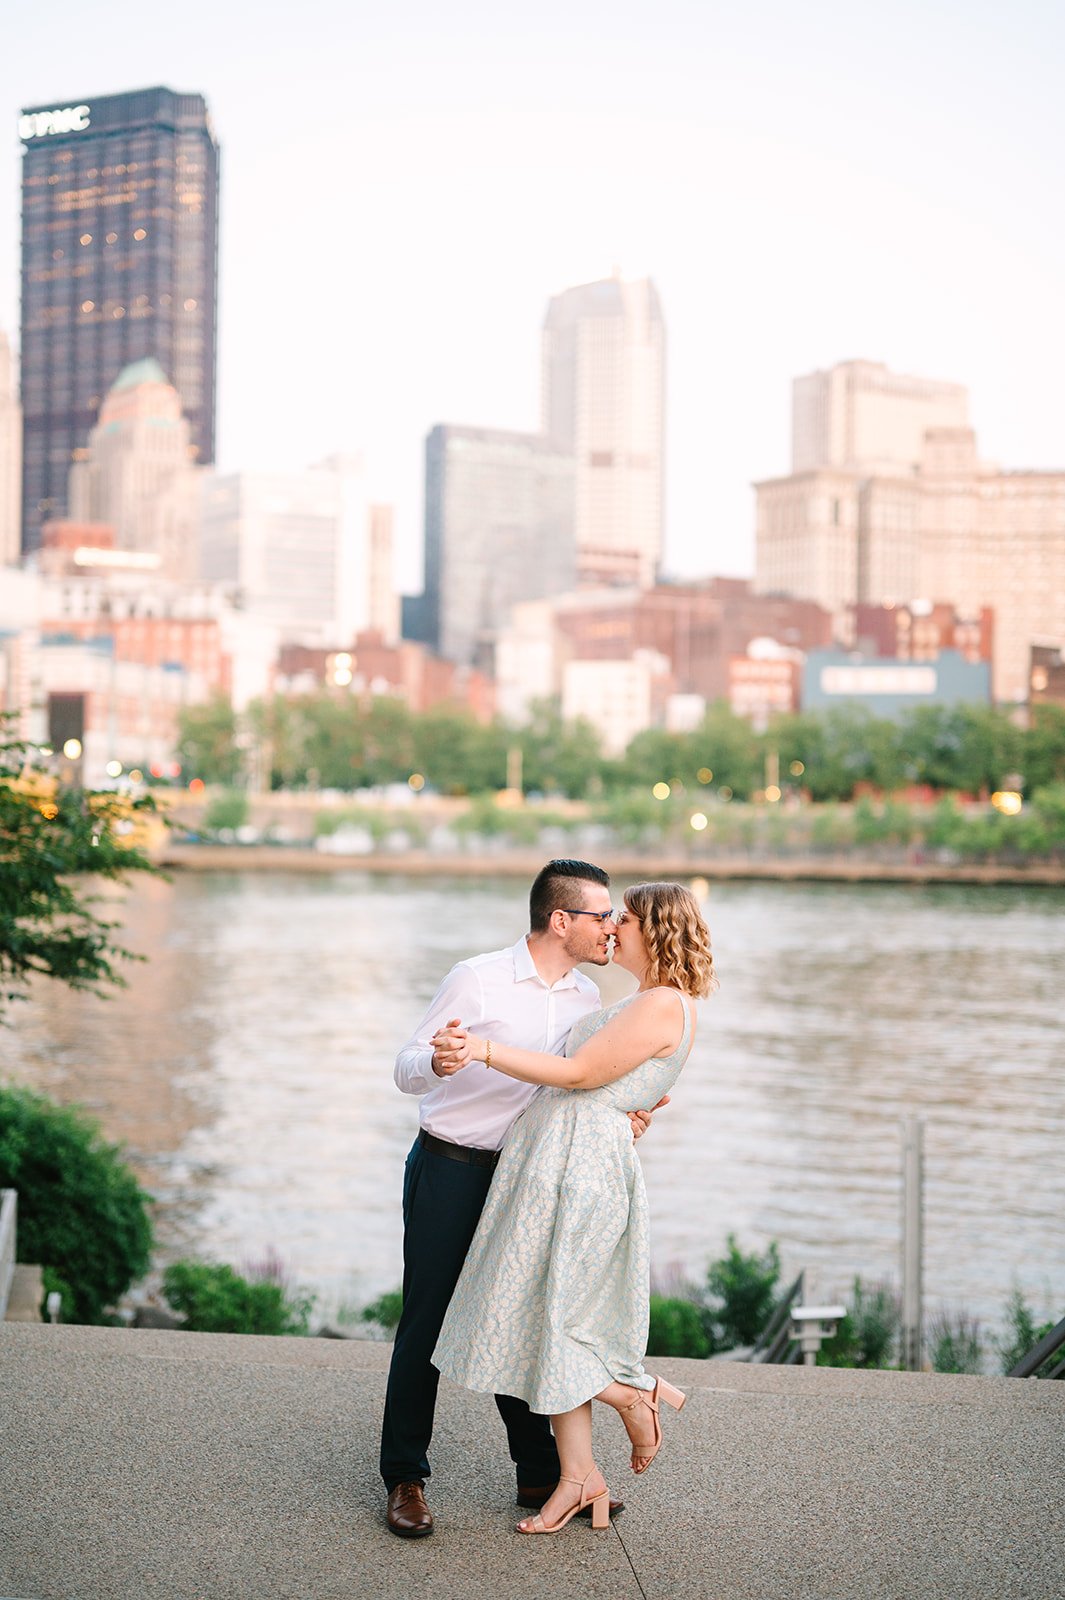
{"type": "Point", "coordinates": [453, 1048]}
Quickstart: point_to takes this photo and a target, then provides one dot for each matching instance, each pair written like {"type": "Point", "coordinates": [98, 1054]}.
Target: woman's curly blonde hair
{"type": "Point", "coordinates": [676, 937]}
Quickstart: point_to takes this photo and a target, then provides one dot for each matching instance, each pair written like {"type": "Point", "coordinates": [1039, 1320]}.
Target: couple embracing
{"type": "Point", "coordinates": [525, 1256]}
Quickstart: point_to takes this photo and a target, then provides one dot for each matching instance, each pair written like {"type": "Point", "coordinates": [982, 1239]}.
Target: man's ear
{"type": "Point", "coordinates": [557, 923]}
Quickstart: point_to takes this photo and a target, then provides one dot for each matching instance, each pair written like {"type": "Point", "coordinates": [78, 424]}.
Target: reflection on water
{"type": "Point", "coordinates": [248, 1070]}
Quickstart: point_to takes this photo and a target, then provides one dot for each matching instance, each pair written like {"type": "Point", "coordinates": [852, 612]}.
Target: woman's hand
{"type": "Point", "coordinates": [454, 1048]}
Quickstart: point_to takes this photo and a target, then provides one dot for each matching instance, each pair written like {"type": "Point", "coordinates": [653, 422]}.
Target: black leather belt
{"type": "Point", "coordinates": [458, 1152]}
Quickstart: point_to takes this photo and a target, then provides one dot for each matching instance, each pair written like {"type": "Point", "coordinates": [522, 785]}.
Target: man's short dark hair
{"type": "Point", "coordinates": [553, 887]}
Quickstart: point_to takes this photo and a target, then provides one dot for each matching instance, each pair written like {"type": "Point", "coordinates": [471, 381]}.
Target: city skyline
{"type": "Point", "coordinates": [796, 204]}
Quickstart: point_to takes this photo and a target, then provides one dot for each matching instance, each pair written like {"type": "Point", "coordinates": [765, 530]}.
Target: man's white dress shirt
{"type": "Point", "coordinates": [499, 996]}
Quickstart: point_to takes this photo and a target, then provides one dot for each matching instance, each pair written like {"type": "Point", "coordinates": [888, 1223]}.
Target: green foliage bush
{"type": "Point", "coordinates": [677, 1328]}
{"type": "Point", "coordinates": [954, 1343]}
{"type": "Point", "coordinates": [81, 1212]}
{"type": "Point", "coordinates": [742, 1290]}
{"type": "Point", "coordinates": [866, 1336]}
{"type": "Point", "coordinates": [385, 1311]}
{"type": "Point", "coordinates": [215, 1299]}
{"type": "Point", "coordinates": [1021, 1334]}
{"type": "Point", "coordinates": [229, 809]}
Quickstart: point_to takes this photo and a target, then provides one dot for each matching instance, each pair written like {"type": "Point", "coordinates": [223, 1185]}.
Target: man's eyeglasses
{"type": "Point", "coordinates": [600, 916]}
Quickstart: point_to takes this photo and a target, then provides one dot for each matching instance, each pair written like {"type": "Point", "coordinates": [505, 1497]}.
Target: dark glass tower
{"type": "Point", "coordinates": [119, 262]}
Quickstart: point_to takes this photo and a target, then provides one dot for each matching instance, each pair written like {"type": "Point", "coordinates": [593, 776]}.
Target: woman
{"type": "Point", "coordinates": [552, 1304]}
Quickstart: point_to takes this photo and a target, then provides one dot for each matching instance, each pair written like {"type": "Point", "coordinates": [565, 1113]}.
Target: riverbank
{"type": "Point", "coordinates": [623, 864]}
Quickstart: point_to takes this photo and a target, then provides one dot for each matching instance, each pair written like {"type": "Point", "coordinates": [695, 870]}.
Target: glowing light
{"type": "Point", "coordinates": [724, 793]}
{"type": "Point", "coordinates": [700, 888]}
{"type": "Point", "coordinates": [72, 749]}
{"type": "Point", "coordinates": [342, 676]}
{"type": "Point", "coordinates": [136, 775]}
{"type": "Point", "coordinates": [772, 794]}
{"type": "Point", "coordinates": [797, 769]}
{"type": "Point", "coordinates": [416, 782]}
{"type": "Point", "coordinates": [196, 786]}
{"type": "Point", "coordinates": [114, 769]}
{"type": "Point", "coordinates": [1008, 801]}
{"type": "Point", "coordinates": [661, 791]}
{"type": "Point", "coordinates": [698, 821]}
{"type": "Point", "coordinates": [705, 775]}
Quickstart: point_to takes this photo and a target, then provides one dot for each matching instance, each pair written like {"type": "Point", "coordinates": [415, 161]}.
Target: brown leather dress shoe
{"type": "Point", "coordinates": [408, 1515]}
{"type": "Point", "coordinates": [536, 1499]}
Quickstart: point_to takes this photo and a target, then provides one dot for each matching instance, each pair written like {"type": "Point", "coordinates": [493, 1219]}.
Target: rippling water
{"type": "Point", "coordinates": [248, 1068]}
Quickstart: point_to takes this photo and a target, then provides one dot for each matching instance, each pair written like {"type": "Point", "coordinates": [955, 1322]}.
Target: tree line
{"type": "Point", "coordinates": [329, 741]}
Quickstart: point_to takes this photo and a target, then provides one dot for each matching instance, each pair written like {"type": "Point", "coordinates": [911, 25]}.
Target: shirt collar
{"type": "Point", "coordinates": [525, 967]}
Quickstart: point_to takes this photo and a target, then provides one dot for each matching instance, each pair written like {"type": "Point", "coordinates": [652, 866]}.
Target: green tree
{"type": "Point", "coordinates": [53, 837]}
{"type": "Point", "coordinates": [966, 748]}
{"type": "Point", "coordinates": [207, 742]}
{"type": "Point", "coordinates": [277, 732]}
{"type": "Point", "coordinates": [81, 1213]}
{"type": "Point", "coordinates": [1042, 759]}
{"type": "Point", "coordinates": [557, 756]}
{"type": "Point", "coordinates": [457, 754]}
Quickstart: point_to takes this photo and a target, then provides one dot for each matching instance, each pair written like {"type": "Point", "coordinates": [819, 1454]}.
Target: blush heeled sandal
{"type": "Point", "coordinates": [661, 1391]}
{"type": "Point", "coordinates": [600, 1504]}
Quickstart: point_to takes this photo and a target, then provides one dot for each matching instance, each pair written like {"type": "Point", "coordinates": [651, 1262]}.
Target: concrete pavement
{"type": "Point", "coordinates": [142, 1465]}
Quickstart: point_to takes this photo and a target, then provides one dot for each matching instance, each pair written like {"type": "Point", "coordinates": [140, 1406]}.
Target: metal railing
{"type": "Point", "coordinates": [8, 1218]}
{"type": "Point", "coordinates": [776, 1344]}
{"type": "Point", "coordinates": [1029, 1365]}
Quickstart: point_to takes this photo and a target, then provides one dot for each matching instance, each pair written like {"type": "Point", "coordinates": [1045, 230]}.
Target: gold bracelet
{"type": "Point", "coordinates": [488, 1052]}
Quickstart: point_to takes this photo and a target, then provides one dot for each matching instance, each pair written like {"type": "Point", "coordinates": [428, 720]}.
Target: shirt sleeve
{"type": "Point", "coordinates": [458, 996]}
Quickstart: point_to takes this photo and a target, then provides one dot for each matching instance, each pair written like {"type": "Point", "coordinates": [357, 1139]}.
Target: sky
{"type": "Point", "coordinates": [404, 188]}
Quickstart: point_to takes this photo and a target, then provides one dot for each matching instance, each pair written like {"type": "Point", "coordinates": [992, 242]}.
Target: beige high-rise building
{"type": "Point", "coordinates": [952, 528]}
{"type": "Point", "coordinates": [10, 459]}
{"type": "Point", "coordinates": [138, 471]}
{"type": "Point", "coordinates": [603, 402]}
{"type": "Point", "coordinates": [859, 416]}
{"type": "Point", "coordinates": [305, 549]}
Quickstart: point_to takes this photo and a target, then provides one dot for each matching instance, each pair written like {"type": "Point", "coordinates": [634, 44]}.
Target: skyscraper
{"type": "Point", "coordinates": [10, 456]}
{"type": "Point", "coordinates": [603, 401]}
{"type": "Point", "coordinates": [858, 415]}
{"type": "Point", "coordinates": [119, 263]}
{"type": "Point", "coordinates": [137, 474]}
{"type": "Point", "coordinates": [498, 530]}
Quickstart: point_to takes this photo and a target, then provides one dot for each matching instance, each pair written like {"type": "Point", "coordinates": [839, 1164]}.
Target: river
{"type": "Point", "coordinates": [248, 1070]}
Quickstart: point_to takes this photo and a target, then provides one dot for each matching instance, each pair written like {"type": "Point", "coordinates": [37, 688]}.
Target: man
{"type": "Point", "coordinates": [529, 996]}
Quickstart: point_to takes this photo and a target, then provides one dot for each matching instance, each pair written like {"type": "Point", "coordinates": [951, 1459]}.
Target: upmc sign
{"type": "Point", "coordinates": [36, 124]}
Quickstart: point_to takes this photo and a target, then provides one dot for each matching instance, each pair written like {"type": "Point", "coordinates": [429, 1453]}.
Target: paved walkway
{"type": "Point", "coordinates": [137, 1465]}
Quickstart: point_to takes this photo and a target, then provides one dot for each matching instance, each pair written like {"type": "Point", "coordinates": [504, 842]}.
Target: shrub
{"type": "Point", "coordinates": [81, 1212]}
{"type": "Point", "coordinates": [1022, 1333]}
{"type": "Point", "coordinates": [866, 1336]}
{"type": "Point", "coordinates": [745, 1288]}
{"type": "Point", "coordinates": [954, 1342]}
{"type": "Point", "coordinates": [677, 1328]}
{"type": "Point", "coordinates": [385, 1310]}
{"type": "Point", "coordinates": [215, 1299]}
{"type": "Point", "coordinates": [228, 810]}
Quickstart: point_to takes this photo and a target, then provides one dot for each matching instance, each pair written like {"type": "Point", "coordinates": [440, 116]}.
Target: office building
{"type": "Point", "coordinates": [119, 264]}
{"type": "Point", "coordinates": [498, 530]}
{"type": "Point", "coordinates": [860, 417]}
{"type": "Point", "coordinates": [603, 403]}
{"type": "Point", "coordinates": [10, 457]}
{"type": "Point", "coordinates": [305, 550]}
{"type": "Point", "coordinates": [945, 525]}
{"type": "Point", "coordinates": [137, 472]}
